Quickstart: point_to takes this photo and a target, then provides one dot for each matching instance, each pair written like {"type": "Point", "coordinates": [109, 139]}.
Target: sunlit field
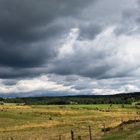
{"type": "Point", "coordinates": [55, 122]}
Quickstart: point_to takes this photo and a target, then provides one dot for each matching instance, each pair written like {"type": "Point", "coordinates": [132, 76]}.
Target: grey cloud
{"type": "Point", "coordinates": [22, 56]}
{"type": "Point", "coordinates": [89, 32]}
{"type": "Point", "coordinates": [19, 73]}
{"type": "Point", "coordinates": [89, 86]}
{"type": "Point", "coordinates": [20, 21]}
{"type": "Point", "coordinates": [9, 82]}
{"type": "Point", "coordinates": [27, 29]}
{"type": "Point", "coordinates": [82, 87]}
{"type": "Point", "coordinates": [90, 63]}
{"type": "Point", "coordinates": [86, 68]}
{"type": "Point", "coordinates": [129, 23]}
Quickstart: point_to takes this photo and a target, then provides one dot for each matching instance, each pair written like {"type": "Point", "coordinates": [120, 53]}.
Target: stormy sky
{"type": "Point", "coordinates": [69, 47]}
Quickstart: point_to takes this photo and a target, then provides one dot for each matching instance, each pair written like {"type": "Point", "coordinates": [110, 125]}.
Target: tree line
{"type": "Point", "coordinates": [81, 99]}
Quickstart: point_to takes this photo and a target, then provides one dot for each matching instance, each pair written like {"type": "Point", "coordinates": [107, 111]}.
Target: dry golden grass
{"type": "Point", "coordinates": [14, 107]}
{"type": "Point", "coordinates": [48, 122]}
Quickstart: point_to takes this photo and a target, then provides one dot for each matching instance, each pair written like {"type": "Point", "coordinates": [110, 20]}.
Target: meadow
{"type": "Point", "coordinates": [55, 122]}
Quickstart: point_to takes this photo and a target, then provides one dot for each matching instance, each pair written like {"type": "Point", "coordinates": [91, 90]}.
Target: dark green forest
{"type": "Point", "coordinates": [81, 99]}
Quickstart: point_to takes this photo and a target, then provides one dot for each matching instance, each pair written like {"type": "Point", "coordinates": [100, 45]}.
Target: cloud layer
{"type": "Point", "coordinates": [69, 47]}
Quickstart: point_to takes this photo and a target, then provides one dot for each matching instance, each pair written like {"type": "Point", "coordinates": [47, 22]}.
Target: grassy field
{"type": "Point", "coordinates": [130, 133]}
{"type": "Point", "coordinates": [49, 122]}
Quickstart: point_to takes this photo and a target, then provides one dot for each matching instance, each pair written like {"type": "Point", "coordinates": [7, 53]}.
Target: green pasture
{"type": "Point", "coordinates": [39, 122]}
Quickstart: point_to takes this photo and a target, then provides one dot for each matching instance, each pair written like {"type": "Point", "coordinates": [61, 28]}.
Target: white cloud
{"type": "Point", "coordinates": [67, 47]}
{"type": "Point", "coordinates": [41, 83]}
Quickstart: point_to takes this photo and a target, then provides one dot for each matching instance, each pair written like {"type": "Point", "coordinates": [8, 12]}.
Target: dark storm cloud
{"type": "Point", "coordinates": [20, 20]}
{"type": "Point", "coordinates": [19, 73]}
{"type": "Point", "coordinates": [21, 56]}
{"type": "Point", "coordinates": [14, 73]}
{"type": "Point", "coordinates": [28, 27]}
